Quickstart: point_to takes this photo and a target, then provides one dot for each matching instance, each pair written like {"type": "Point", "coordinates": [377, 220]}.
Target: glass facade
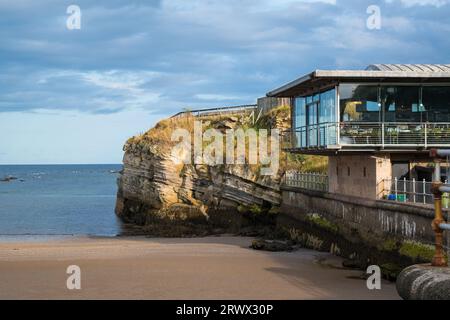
{"type": "Point", "coordinates": [394, 103]}
{"type": "Point", "coordinates": [373, 114]}
{"type": "Point", "coordinates": [313, 115]}
{"type": "Point", "coordinates": [359, 103]}
{"type": "Point", "coordinates": [300, 121]}
{"type": "Point", "coordinates": [399, 103]}
{"type": "Point", "coordinates": [435, 104]}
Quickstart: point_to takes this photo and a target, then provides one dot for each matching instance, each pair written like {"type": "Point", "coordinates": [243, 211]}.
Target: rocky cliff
{"type": "Point", "coordinates": [168, 198]}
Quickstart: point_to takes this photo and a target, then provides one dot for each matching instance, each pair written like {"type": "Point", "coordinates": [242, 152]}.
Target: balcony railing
{"type": "Point", "coordinates": [369, 134]}
{"type": "Point", "coordinates": [398, 190]}
{"type": "Point", "coordinates": [306, 180]}
{"type": "Point", "coordinates": [409, 191]}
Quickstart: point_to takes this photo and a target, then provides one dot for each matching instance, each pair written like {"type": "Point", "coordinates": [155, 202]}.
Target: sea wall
{"type": "Point", "coordinates": [385, 233]}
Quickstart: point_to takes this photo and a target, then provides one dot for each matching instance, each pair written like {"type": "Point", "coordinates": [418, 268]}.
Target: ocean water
{"type": "Point", "coordinates": [58, 200]}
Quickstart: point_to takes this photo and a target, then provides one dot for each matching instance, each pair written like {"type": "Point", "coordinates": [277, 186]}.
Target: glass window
{"type": "Point", "coordinates": [359, 102]}
{"type": "Point", "coordinates": [400, 103]}
{"type": "Point", "coordinates": [312, 123]}
{"type": "Point", "coordinates": [300, 121]}
{"type": "Point", "coordinates": [327, 109]}
{"type": "Point", "coordinates": [436, 104]}
{"type": "Point", "coordinates": [300, 112]}
{"type": "Point", "coordinates": [327, 116]}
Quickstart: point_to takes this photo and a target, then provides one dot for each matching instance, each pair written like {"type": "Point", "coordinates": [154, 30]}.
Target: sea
{"type": "Point", "coordinates": [58, 201]}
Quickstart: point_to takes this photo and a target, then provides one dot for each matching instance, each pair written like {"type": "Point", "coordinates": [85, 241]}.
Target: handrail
{"type": "Point", "coordinates": [219, 109]}
{"type": "Point", "coordinates": [378, 134]}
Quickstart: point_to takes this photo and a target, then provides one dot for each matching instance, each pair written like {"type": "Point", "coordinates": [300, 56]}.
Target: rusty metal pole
{"type": "Point", "coordinates": [439, 257]}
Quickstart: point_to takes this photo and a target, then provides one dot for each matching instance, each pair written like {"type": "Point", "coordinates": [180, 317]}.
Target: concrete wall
{"type": "Point", "coordinates": [372, 231]}
{"type": "Point", "coordinates": [358, 175]}
{"type": "Point", "coordinates": [375, 217]}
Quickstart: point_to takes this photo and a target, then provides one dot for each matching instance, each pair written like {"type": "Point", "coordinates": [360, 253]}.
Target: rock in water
{"type": "Point", "coordinates": [8, 178]}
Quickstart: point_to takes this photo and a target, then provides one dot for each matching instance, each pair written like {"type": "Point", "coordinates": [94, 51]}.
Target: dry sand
{"type": "Point", "coordinates": [205, 268]}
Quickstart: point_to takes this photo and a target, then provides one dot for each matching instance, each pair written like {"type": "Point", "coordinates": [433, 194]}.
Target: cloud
{"type": "Point", "coordinates": [162, 55]}
{"type": "Point", "coordinates": [216, 97]}
{"type": "Point", "coordinates": [136, 61]}
{"type": "Point", "coordinates": [411, 3]}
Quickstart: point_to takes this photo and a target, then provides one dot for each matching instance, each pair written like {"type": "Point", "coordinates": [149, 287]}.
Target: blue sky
{"type": "Point", "coordinates": [75, 96]}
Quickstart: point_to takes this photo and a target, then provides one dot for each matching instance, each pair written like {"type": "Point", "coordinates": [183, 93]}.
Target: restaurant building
{"type": "Point", "coordinates": [375, 125]}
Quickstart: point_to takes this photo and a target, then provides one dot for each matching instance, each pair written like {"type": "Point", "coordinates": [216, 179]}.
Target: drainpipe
{"type": "Point", "coordinates": [439, 258]}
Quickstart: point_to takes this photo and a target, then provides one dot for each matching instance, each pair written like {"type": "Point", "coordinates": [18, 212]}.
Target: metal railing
{"type": "Point", "coordinates": [370, 134]}
{"type": "Point", "coordinates": [394, 133]}
{"type": "Point", "coordinates": [412, 191]}
{"type": "Point", "coordinates": [306, 180]}
{"type": "Point", "coordinates": [217, 111]}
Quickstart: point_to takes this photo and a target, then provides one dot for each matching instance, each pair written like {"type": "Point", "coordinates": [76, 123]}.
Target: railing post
{"type": "Point", "coordinates": [382, 135]}
{"type": "Point", "coordinates": [306, 181]}
{"type": "Point", "coordinates": [309, 181]}
{"type": "Point", "coordinates": [395, 188]}
{"type": "Point", "coordinates": [414, 190]}
{"type": "Point", "coordinates": [424, 192]}
{"type": "Point", "coordinates": [318, 136]}
{"type": "Point", "coordinates": [404, 189]}
{"type": "Point", "coordinates": [338, 133]}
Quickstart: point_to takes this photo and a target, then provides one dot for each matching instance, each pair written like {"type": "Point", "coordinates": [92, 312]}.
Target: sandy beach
{"type": "Point", "coordinates": [203, 268]}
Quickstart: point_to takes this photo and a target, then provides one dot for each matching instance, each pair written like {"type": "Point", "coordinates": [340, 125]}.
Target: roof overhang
{"type": "Point", "coordinates": [321, 79]}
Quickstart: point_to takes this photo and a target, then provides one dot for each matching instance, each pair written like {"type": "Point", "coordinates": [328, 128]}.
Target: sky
{"type": "Point", "coordinates": [76, 95]}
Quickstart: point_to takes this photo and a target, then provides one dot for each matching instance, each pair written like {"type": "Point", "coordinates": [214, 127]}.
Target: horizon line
{"type": "Point", "coordinates": [57, 164]}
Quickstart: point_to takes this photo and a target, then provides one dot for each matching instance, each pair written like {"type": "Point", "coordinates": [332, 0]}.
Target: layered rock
{"type": "Point", "coordinates": [153, 189]}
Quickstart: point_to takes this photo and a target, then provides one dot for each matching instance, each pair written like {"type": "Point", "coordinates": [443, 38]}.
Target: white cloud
{"type": "Point", "coordinates": [411, 3]}
{"type": "Point", "coordinates": [216, 97]}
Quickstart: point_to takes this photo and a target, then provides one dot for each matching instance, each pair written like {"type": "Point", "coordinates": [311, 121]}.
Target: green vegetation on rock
{"type": "Point", "coordinates": [255, 209]}
{"type": "Point", "coordinates": [321, 222]}
{"type": "Point", "coordinates": [417, 251]}
{"type": "Point", "coordinates": [390, 270]}
{"type": "Point", "coordinates": [389, 245]}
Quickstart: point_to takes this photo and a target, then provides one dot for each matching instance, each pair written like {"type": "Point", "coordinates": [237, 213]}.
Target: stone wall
{"type": "Point", "coordinates": [378, 232]}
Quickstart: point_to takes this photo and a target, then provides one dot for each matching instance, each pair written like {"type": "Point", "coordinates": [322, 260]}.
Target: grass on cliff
{"type": "Point", "coordinates": [158, 138]}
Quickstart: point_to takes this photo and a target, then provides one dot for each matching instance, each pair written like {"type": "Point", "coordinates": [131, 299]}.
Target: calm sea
{"type": "Point", "coordinates": [58, 200]}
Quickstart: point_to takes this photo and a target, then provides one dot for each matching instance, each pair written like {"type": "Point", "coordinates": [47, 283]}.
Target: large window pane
{"type": "Point", "coordinates": [300, 112]}
{"type": "Point", "coordinates": [300, 121]}
{"type": "Point", "coordinates": [436, 104]}
{"type": "Point", "coordinates": [312, 123]}
{"type": "Point", "coordinates": [327, 116]}
{"type": "Point", "coordinates": [359, 103]}
{"type": "Point", "coordinates": [401, 103]}
{"type": "Point", "coordinates": [327, 112]}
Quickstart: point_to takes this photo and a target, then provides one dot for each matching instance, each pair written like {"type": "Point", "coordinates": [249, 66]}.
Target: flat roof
{"type": "Point", "coordinates": [379, 72]}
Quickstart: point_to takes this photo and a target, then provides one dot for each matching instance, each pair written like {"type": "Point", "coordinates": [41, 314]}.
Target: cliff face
{"type": "Point", "coordinates": [154, 190]}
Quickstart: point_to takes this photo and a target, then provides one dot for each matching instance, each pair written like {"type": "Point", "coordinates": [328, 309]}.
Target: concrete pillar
{"type": "Point", "coordinates": [359, 175]}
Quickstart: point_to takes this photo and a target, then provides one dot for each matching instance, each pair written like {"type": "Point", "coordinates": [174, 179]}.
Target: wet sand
{"type": "Point", "coordinates": [204, 268]}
